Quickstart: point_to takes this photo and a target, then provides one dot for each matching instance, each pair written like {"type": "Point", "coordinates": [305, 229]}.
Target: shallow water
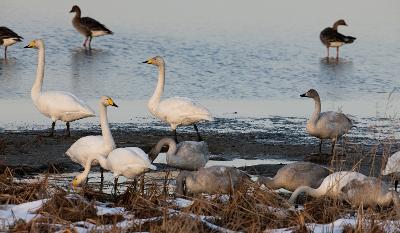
{"type": "Point", "coordinates": [238, 59]}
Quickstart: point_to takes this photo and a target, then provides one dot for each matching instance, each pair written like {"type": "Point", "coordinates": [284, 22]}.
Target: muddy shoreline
{"type": "Point", "coordinates": [30, 152]}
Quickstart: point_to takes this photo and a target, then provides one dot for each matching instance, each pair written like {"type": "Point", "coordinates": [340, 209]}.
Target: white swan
{"type": "Point", "coordinates": [326, 125]}
{"type": "Point", "coordinates": [176, 110]}
{"type": "Point", "coordinates": [187, 155]}
{"type": "Point", "coordinates": [392, 166]}
{"type": "Point", "coordinates": [89, 146]}
{"type": "Point", "coordinates": [294, 175]}
{"type": "Point", "coordinates": [57, 105]}
{"type": "Point", "coordinates": [211, 180]}
{"type": "Point", "coordinates": [331, 186]}
{"type": "Point", "coordinates": [129, 162]}
{"type": "Point", "coordinates": [369, 192]}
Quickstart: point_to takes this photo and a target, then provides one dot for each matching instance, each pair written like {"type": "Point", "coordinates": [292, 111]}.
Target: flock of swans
{"type": "Point", "coordinates": [191, 156]}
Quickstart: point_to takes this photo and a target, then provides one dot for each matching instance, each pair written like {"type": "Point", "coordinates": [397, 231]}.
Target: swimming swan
{"type": "Point", "coordinates": [294, 175]}
{"type": "Point", "coordinates": [7, 38]}
{"type": "Point", "coordinates": [330, 37]}
{"type": "Point", "coordinates": [129, 162]}
{"type": "Point", "coordinates": [187, 155]}
{"type": "Point", "coordinates": [88, 27]}
{"type": "Point", "coordinates": [57, 105]}
{"type": "Point", "coordinates": [176, 110]}
{"type": "Point", "coordinates": [102, 145]}
{"type": "Point", "coordinates": [331, 186]}
{"type": "Point", "coordinates": [211, 180]}
{"type": "Point", "coordinates": [392, 166]}
{"type": "Point", "coordinates": [326, 125]}
{"type": "Point", "coordinates": [369, 192]}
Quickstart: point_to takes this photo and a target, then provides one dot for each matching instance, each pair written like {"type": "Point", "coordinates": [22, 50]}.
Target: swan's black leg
{"type": "Point", "coordinates": [333, 146]}
{"type": "Point", "coordinates": [175, 136]}
{"type": "Point", "coordinates": [101, 175]}
{"type": "Point", "coordinates": [68, 131]}
{"type": "Point", "coordinates": [320, 146]}
{"type": "Point", "coordinates": [53, 125]}
{"type": "Point", "coordinates": [115, 185]}
{"type": "Point", "coordinates": [198, 134]}
{"type": "Point", "coordinates": [396, 182]}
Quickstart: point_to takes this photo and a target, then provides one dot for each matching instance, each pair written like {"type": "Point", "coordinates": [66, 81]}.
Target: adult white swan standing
{"type": "Point", "coordinates": [326, 125]}
{"type": "Point", "coordinates": [175, 110]}
{"type": "Point", "coordinates": [331, 186]}
{"type": "Point", "coordinates": [89, 146]}
{"type": "Point", "coordinates": [56, 105]}
{"type": "Point", "coordinates": [294, 175]}
{"type": "Point", "coordinates": [129, 162]}
{"type": "Point", "coordinates": [187, 155]}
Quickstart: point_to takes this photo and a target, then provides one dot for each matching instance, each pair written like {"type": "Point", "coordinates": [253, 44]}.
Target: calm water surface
{"type": "Point", "coordinates": [233, 56]}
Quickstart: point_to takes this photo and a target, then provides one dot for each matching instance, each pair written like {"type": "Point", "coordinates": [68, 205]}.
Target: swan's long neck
{"type": "Point", "coordinates": [103, 163]}
{"type": "Point", "coordinates": [155, 99]}
{"type": "Point", "coordinates": [308, 190]}
{"type": "Point", "coordinates": [37, 86]}
{"type": "Point", "coordinates": [105, 127]}
{"type": "Point", "coordinates": [157, 149]}
{"type": "Point", "coordinates": [317, 110]}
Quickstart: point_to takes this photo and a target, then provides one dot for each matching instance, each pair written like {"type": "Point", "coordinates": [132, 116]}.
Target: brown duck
{"type": "Point", "coordinates": [87, 26]}
{"type": "Point", "coordinates": [330, 37]}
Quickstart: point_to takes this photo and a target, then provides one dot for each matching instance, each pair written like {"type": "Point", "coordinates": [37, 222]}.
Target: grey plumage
{"type": "Point", "coordinates": [294, 175]}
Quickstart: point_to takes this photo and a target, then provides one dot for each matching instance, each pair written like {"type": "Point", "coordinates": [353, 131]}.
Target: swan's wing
{"type": "Point", "coordinates": [335, 121]}
{"type": "Point", "coordinates": [121, 157]}
{"type": "Point", "coordinates": [392, 165]}
{"type": "Point", "coordinates": [182, 107]}
{"type": "Point", "coordinates": [85, 147]}
{"type": "Point", "coordinates": [64, 102]}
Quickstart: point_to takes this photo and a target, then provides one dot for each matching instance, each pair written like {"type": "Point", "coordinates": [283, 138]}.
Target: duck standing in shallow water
{"type": "Point", "coordinates": [326, 125]}
{"type": "Point", "coordinates": [56, 105]}
{"type": "Point", "coordinates": [175, 110]}
{"type": "Point", "coordinates": [88, 27]}
{"type": "Point", "coordinates": [330, 37]}
{"type": "Point", "coordinates": [7, 38]}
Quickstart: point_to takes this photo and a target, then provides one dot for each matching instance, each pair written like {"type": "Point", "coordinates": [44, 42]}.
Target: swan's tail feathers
{"type": "Point", "coordinates": [349, 39]}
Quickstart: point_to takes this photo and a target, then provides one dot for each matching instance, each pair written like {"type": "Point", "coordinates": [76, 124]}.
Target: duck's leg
{"type": "Point", "coordinates": [90, 42]}
{"type": "Point", "coordinates": [84, 43]}
{"type": "Point", "coordinates": [327, 52]}
{"type": "Point", "coordinates": [53, 125]}
{"type": "Point", "coordinates": [68, 131]}
{"type": "Point", "coordinates": [198, 134]}
{"type": "Point", "coordinates": [5, 52]}
{"type": "Point", "coordinates": [337, 53]}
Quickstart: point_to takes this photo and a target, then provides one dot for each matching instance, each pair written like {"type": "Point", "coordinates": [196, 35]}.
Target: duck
{"type": "Point", "coordinates": [369, 192]}
{"type": "Point", "coordinates": [330, 37]}
{"type": "Point", "coordinates": [175, 111]}
{"type": "Point", "coordinates": [187, 155]}
{"type": "Point", "coordinates": [129, 162]}
{"type": "Point", "coordinates": [326, 125]}
{"type": "Point", "coordinates": [294, 175]}
{"type": "Point", "coordinates": [331, 186]}
{"type": "Point", "coordinates": [56, 105]}
{"type": "Point", "coordinates": [100, 145]}
{"type": "Point", "coordinates": [7, 38]}
{"type": "Point", "coordinates": [211, 180]}
{"type": "Point", "coordinates": [392, 166]}
{"type": "Point", "coordinates": [88, 27]}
